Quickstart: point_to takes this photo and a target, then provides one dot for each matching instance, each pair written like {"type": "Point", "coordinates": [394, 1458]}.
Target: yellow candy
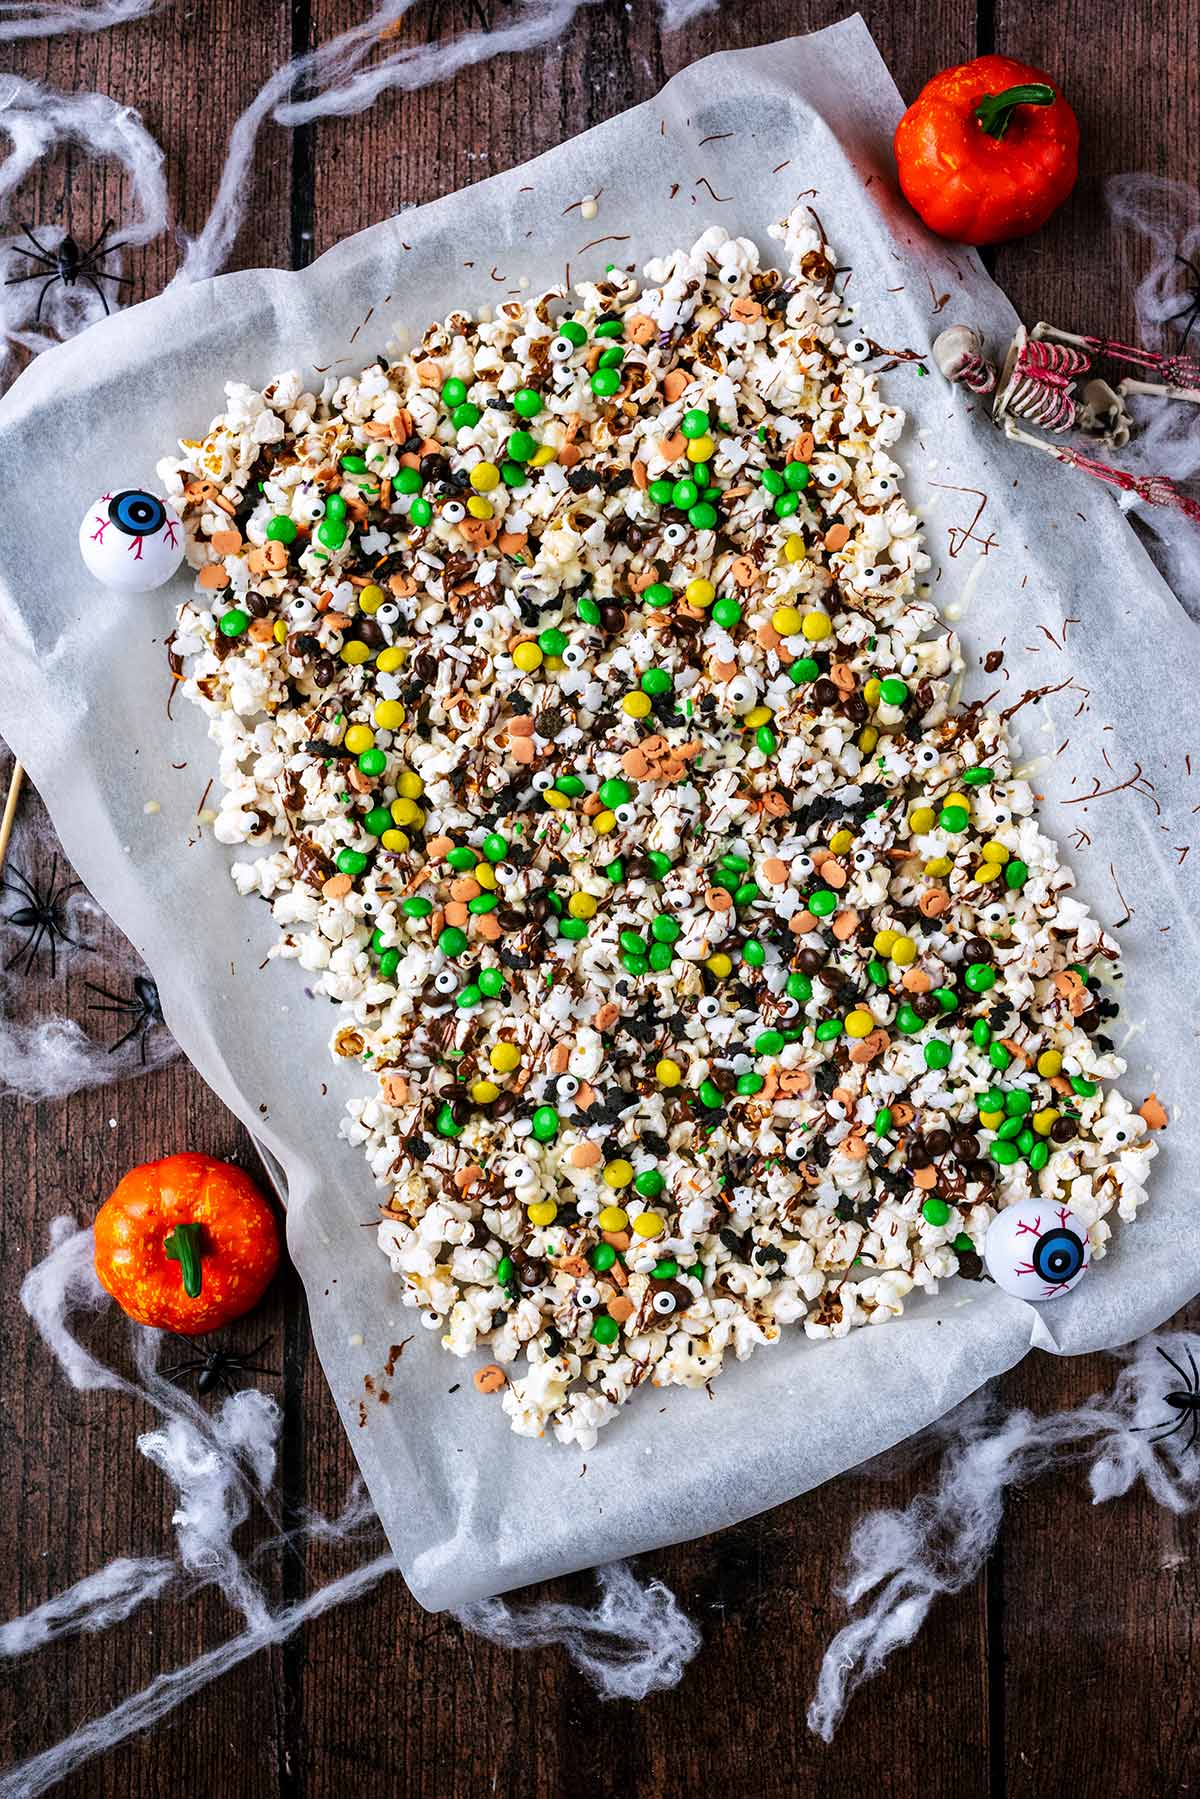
{"type": "Point", "coordinates": [991, 1120]}
{"type": "Point", "coordinates": [478, 507]}
{"type": "Point", "coordinates": [613, 1218]}
{"type": "Point", "coordinates": [1049, 1063]}
{"type": "Point", "coordinates": [957, 799]}
{"type": "Point", "coordinates": [649, 1224]}
{"type": "Point", "coordinates": [988, 871]}
{"type": "Point", "coordinates": [553, 664]}
{"type": "Point", "coordinates": [527, 657]}
{"type": "Point", "coordinates": [883, 942]}
{"type": "Point", "coordinates": [389, 715]}
{"type": "Point", "coordinates": [391, 659]}
{"type": "Point", "coordinates": [279, 631]}
{"type": "Point", "coordinates": [868, 737]}
{"type": "Point", "coordinates": [581, 905]}
{"type": "Point", "coordinates": [668, 1073]}
{"type": "Point", "coordinates": [841, 841]}
{"type": "Point", "coordinates": [542, 455]}
{"type": "Point", "coordinates": [542, 1211]}
{"type": "Point", "coordinates": [504, 1057]}
{"type": "Point", "coordinates": [355, 654]}
{"type": "Point", "coordinates": [485, 476]}
{"type": "Point", "coordinates": [921, 819]}
{"type": "Point", "coordinates": [699, 592]}
{"type": "Point", "coordinates": [484, 1092]}
{"type": "Point", "coordinates": [409, 786]}
{"type": "Point", "coordinates": [786, 620]}
{"type": "Point", "coordinates": [370, 598]}
{"type": "Point", "coordinates": [758, 715]}
{"type": "Point", "coordinates": [604, 822]}
{"type": "Point", "coordinates": [720, 965]}
{"type": "Point", "coordinates": [636, 704]}
{"type": "Point", "coordinates": [558, 802]}
{"type": "Point", "coordinates": [359, 738]}
{"type": "Point", "coordinates": [871, 690]}
{"type": "Point", "coordinates": [938, 866]}
{"type": "Point", "coordinates": [618, 1174]}
{"type": "Point", "coordinates": [395, 841]}
{"type": "Point", "coordinates": [700, 448]}
{"type": "Point", "coordinates": [407, 812]}
{"type": "Point", "coordinates": [793, 549]}
{"type": "Point", "coordinates": [1044, 1120]}
{"type": "Point", "coordinates": [904, 952]}
{"type": "Point", "coordinates": [485, 874]}
{"type": "Point", "coordinates": [816, 627]}
{"type": "Point", "coordinates": [859, 1024]}
{"type": "Point", "coordinates": [995, 851]}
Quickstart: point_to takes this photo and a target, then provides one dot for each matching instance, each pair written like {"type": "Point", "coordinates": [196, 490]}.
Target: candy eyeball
{"type": "Point", "coordinates": [1036, 1250]}
{"type": "Point", "coordinates": [802, 865]}
{"type": "Point", "coordinates": [562, 350]}
{"type": "Point", "coordinates": [664, 1302]}
{"type": "Point", "coordinates": [741, 692]}
{"type": "Point", "coordinates": [827, 475]}
{"type": "Point", "coordinates": [301, 611]}
{"type": "Point", "coordinates": [432, 1321]}
{"type": "Point", "coordinates": [926, 756]}
{"type": "Point", "coordinates": [454, 512]}
{"type": "Point", "coordinates": [445, 981]}
{"type": "Point", "coordinates": [858, 350]}
{"type": "Point", "coordinates": [863, 859]}
{"type": "Point", "coordinates": [309, 507]}
{"type": "Point", "coordinates": [567, 1086]}
{"type": "Point", "coordinates": [587, 1297]}
{"type": "Point", "coordinates": [506, 872]}
{"type": "Point", "coordinates": [625, 815]}
{"type": "Point", "coordinates": [131, 541]}
{"type": "Point", "coordinates": [387, 614]}
{"type": "Point", "coordinates": [543, 779]}
{"type": "Point", "coordinates": [574, 656]}
{"type": "Point", "coordinates": [520, 1173]}
{"type": "Point", "coordinates": [709, 1007]}
{"type": "Point", "coordinates": [882, 487]}
{"type": "Point", "coordinates": [675, 534]}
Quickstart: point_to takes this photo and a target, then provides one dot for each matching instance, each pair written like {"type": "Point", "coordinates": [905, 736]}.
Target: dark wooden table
{"type": "Point", "coordinates": [1068, 1665]}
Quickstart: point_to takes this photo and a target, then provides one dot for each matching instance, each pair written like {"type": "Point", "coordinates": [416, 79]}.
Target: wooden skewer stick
{"type": "Point", "coordinates": [10, 809]}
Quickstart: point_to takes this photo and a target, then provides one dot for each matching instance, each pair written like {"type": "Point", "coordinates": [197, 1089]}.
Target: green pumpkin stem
{"type": "Point", "coordinates": [182, 1245]}
{"type": "Point", "coordinates": [994, 112]}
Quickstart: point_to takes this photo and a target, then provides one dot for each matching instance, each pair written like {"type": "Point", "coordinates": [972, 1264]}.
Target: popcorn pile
{"type": "Point", "coordinates": [600, 753]}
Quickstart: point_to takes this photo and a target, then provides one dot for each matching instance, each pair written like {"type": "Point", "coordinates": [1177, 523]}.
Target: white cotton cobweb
{"type": "Point", "coordinates": [635, 1641]}
{"type": "Point", "coordinates": [49, 18]}
{"type": "Point", "coordinates": [938, 1544]}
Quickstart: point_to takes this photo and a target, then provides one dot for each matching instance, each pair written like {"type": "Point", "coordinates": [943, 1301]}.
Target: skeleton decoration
{"type": "Point", "coordinates": [1039, 385]}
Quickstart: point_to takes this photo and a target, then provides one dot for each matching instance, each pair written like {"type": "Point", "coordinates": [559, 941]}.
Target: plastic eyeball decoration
{"type": "Point", "coordinates": [454, 512]}
{"type": "Point", "coordinates": [131, 541]}
{"type": "Point", "coordinates": [675, 534]}
{"type": "Point", "coordinates": [858, 349]}
{"type": "Point", "coordinates": [1036, 1250]}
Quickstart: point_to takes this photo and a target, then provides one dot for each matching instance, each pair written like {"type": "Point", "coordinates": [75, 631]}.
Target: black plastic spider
{"type": "Point", "coordinates": [215, 1367]}
{"type": "Point", "coordinates": [40, 915]}
{"type": "Point", "coordinates": [70, 264]}
{"type": "Point", "coordinates": [144, 1007]}
{"type": "Point", "coordinates": [1190, 313]}
{"type": "Point", "coordinates": [1186, 1403]}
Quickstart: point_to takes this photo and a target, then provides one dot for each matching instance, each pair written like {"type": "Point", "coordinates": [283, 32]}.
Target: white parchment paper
{"type": "Point", "coordinates": [1022, 546]}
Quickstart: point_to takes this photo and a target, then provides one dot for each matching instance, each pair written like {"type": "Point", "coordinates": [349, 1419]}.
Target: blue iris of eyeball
{"type": "Point", "coordinates": [1036, 1250]}
{"type": "Point", "coordinates": [131, 540]}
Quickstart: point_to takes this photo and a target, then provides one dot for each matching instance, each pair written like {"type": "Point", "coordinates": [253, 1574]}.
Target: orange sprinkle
{"type": "Point", "coordinates": [620, 1308]}
{"type": "Point", "coordinates": [439, 846]}
{"type": "Point", "coordinates": [585, 1155]}
{"type": "Point", "coordinates": [867, 1048]}
{"type": "Point", "coordinates": [490, 1379]}
{"type": "Point", "coordinates": [560, 1058]}
{"type": "Point", "coordinates": [606, 1016]}
{"type": "Point", "coordinates": [925, 1178]}
{"type": "Point", "coordinates": [467, 1177]}
{"type": "Point", "coordinates": [803, 447]}
{"type": "Point", "coordinates": [226, 543]}
{"type": "Point", "coordinates": [213, 575]}
{"type": "Point", "coordinates": [522, 726]}
{"type": "Point", "coordinates": [745, 309]}
{"type": "Point", "coordinates": [337, 886]}
{"type": "Point", "coordinates": [1153, 1113]}
{"type": "Point", "coordinates": [394, 1088]}
{"type": "Point", "coordinates": [640, 328]}
{"type": "Point", "coordinates": [845, 924]}
{"type": "Point", "coordinates": [915, 980]}
{"type": "Point", "coordinates": [774, 872]}
{"type": "Point", "coordinates": [673, 447]}
{"type": "Point", "coordinates": [635, 764]}
{"type": "Point", "coordinates": [487, 927]}
{"type": "Point", "coordinates": [717, 900]}
{"type": "Point", "coordinates": [933, 902]}
{"type": "Point", "coordinates": [833, 874]}
{"type": "Point", "coordinates": [722, 671]}
{"type": "Point", "coordinates": [521, 750]}
{"type": "Point", "coordinates": [767, 637]}
{"type": "Point", "coordinates": [675, 382]}
{"type": "Point", "coordinates": [744, 571]}
{"type": "Point", "coordinates": [836, 538]}
{"type": "Point", "coordinates": [457, 914]}
{"type": "Point", "coordinates": [802, 922]}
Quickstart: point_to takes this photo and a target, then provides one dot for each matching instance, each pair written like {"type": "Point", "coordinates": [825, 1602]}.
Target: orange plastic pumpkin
{"type": "Point", "coordinates": [186, 1244]}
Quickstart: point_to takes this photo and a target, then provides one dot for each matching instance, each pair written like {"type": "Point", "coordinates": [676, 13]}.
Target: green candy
{"type": "Point", "coordinates": [372, 762]}
{"type": "Point", "coordinates": [527, 402]}
{"type": "Point", "coordinates": [980, 976]}
{"type": "Point", "coordinates": [666, 1270]}
{"type": "Point", "coordinates": [504, 1270]}
{"type": "Point", "coordinates": [377, 821]}
{"type": "Point", "coordinates": [614, 792]}
{"type": "Point", "coordinates": [1038, 1156]}
{"type": "Point", "coordinates": [828, 1029]}
{"type": "Point", "coordinates": [1004, 1153]}
{"type": "Point", "coordinates": [634, 965]}
{"type": "Point", "coordinates": [766, 740]}
{"type": "Point", "coordinates": [587, 609]}
{"type": "Point", "coordinates": [614, 870]}
{"type": "Point", "coordinates": [454, 391]}
{"type": "Point", "coordinates": [609, 327]}
{"type": "Point", "coordinates": [1083, 1087]}
{"type": "Point", "coordinates": [602, 1256]}
{"type": "Point", "coordinates": [685, 493]}
{"type": "Point", "coordinates": [657, 594]}
{"type": "Point", "coordinates": [702, 516]}
{"type": "Point", "coordinates": [895, 692]}
{"type": "Point", "coordinates": [452, 941]}
{"type": "Point", "coordinates": [999, 1057]}
{"type": "Point", "coordinates": [694, 423]}
{"type": "Point", "coordinates": [711, 1095]}
{"type": "Point", "coordinates": [976, 777]}
{"type": "Point", "coordinates": [935, 1211]}
{"type": "Point", "coordinates": [408, 481]}
{"type": "Point", "coordinates": [735, 863]}
{"type": "Point", "coordinates": [877, 973]}
{"type": "Point", "coordinates": [946, 998]}
{"type": "Point", "coordinates": [464, 416]}
{"type": "Point", "coordinates": [908, 1021]}
{"type": "Point", "coordinates": [470, 996]}
{"type": "Point", "coordinates": [661, 957]}
{"type": "Point", "coordinates": [612, 359]}
{"type": "Point", "coordinates": [545, 1123]}
{"type": "Point", "coordinates": [512, 474]}
{"type": "Point", "coordinates": [552, 642]}
{"type": "Point", "coordinates": [351, 862]}
{"type": "Point", "coordinates": [234, 622]}
{"type": "Point", "coordinates": [954, 818]}
{"type": "Point", "coordinates": [981, 1033]}
{"type": "Point", "coordinates": [491, 982]}
{"type": "Point", "coordinates": [938, 1053]}
{"type": "Point", "coordinates": [962, 1244]}
{"type": "Point", "coordinates": [1018, 1102]}
{"type": "Point", "coordinates": [727, 613]}
{"type": "Point", "coordinates": [377, 943]}
{"type": "Point", "coordinates": [632, 943]}
{"type": "Point", "coordinates": [495, 847]}
{"type": "Point", "coordinates": [649, 1183]}
{"type": "Point", "coordinates": [991, 1101]}
{"type": "Point", "coordinates": [416, 907]}
{"type": "Point", "coordinates": [573, 331]}
{"type": "Point", "coordinates": [883, 1121]}
{"type": "Point", "coordinates": [753, 953]}
{"type": "Point", "coordinates": [573, 929]}
{"type": "Point", "coordinates": [768, 1043]}
{"type": "Point", "coordinates": [797, 475]}
{"type": "Point", "coordinates": [282, 529]}
{"type": "Point", "coordinates": [1016, 873]}
{"type": "Point", "coordinates": [1026, 1141]}
{"type": "Point", "coordinates": [773, 481]}
{"type": "Point", "coordinates": [822, 903]}
{"type": "Point", "coordinates": [461, 858]}
{"type": "Point", "coordinates": [803, 669]}
{"type": "Point", "coordinates": [446, 1126]}
{"type": "Point", "coordinates": [750, 1084]}
{"type": "Point", "coordinates": [660, 492]}
{"type": "Point", "coordinates": [521, 446]}
{"type": "Point", "coordinates": [389, 962]}
{"type": "Point", "coordinates": [656, 680]}
{"type": "Point", "coordinates": [746, 894]}
{"type": "Point", "coordinates": [605, 1330]}
{"type": "Point", "coordinates": [420, 512]}
{"type": "Point", "coordinates": [605, 383]}
{"type": "Point", "coordinates": [660, 864]}
{"type": "Point", "coordinates": [571, 785]}
{"type": "Point", "coordinates": [335, 507]}
{"type": "Point", "coordinates": [798, 987]}
{"type": "Point", "coordinates": [786, 505]}
{"type": "Point", "coordinates": [666, 929]}
{"type": "Point", "coordinates": [1012, 1127]}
